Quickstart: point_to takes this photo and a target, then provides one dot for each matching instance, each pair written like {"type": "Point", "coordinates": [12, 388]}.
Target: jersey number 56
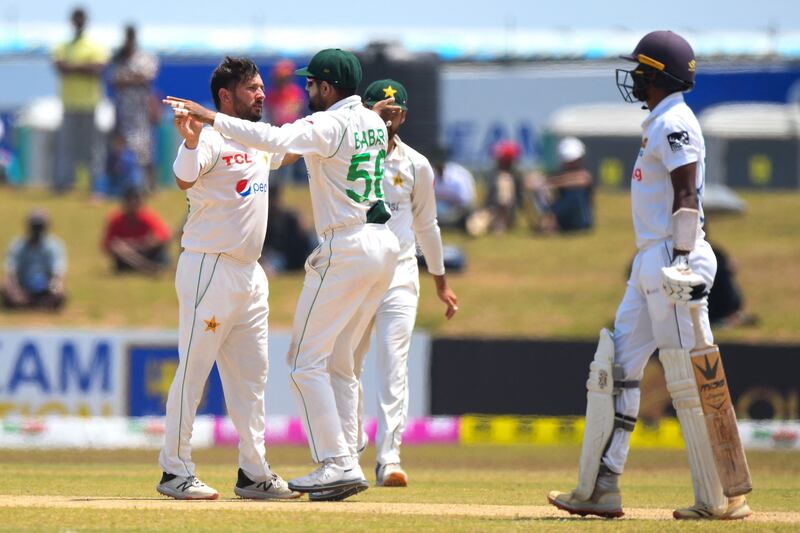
{"type": "Point", "coordinates": [354, 173]}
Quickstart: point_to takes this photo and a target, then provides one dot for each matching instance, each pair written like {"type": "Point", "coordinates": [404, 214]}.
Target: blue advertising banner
{"type": "Point", "coordinates": [152, 368]}
{"type": "Point", "coordinates": [60, 373]}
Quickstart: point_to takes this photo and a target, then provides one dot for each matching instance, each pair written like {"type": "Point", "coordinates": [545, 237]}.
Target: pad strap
{"type": "Point", "coordinates": [624, 422]}
{"type": "Point", "coordinates": [620, 382]}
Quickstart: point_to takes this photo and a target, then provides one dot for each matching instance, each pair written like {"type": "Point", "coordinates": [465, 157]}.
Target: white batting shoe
{"type": "Point", "coordinates": [390, 475]}
{"type": "Point", "coordinates": [606, 499]}
{"type": "Point", "coordinates": [737, 509]}
{"type": "Point", "coordinates": [329, 475]}
{"type": "Point", "coordinates": [274, 488]}
{"type": "Point", "coordinates": [185, 488]}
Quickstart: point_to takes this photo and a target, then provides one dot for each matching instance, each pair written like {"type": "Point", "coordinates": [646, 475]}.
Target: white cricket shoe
{"type": "Point", "coordinates": [185, 488]}
{"type": "Point", "coordinates": [274, 488]}
{"type": "Point", "coordinates": [329, 475]}
{"type": "Point", "coordinates": [605, 501]}
{"type": "Point", "coordinates": [390, 475]}
{"type": "Point", "coordinates": [736, 510]}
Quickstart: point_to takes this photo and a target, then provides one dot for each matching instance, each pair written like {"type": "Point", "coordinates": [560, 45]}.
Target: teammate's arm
{"type": "Point", "coordinates": [318, 134]}
{"type": "Point", "coordinates": [426, 230]}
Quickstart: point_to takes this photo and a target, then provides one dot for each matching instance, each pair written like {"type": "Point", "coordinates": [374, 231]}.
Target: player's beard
{"type": "Point", "coordinates": [315, 104]}
{"type": "Point", "coordinates": [250, 112]}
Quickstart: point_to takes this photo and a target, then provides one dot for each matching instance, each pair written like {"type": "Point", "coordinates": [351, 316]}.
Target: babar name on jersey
{"type": "Point", "coordinates": [368, 138]}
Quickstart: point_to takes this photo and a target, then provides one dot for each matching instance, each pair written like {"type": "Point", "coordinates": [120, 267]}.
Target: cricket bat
{"type": "Point", "coordinates": [715, 399]}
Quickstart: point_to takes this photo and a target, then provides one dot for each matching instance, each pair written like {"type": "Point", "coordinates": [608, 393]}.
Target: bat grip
{"type": "Point", "coordinates": [700, 340]}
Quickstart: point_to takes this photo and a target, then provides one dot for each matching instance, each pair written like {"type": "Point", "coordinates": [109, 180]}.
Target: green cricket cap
{"type": "Point", "coordinates": [383, 89]}
{"type": "Point", "coordinates": [338, 67]}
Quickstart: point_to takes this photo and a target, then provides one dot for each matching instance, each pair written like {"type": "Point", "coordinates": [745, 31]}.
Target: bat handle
{"type": "Point", "coordinates": [700, 340]}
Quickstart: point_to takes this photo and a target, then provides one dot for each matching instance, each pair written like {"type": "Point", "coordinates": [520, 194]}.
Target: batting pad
{"type": "Point", "coordinates": [683, 389]}
{"type": "Point", "coordinates": [599, 414]}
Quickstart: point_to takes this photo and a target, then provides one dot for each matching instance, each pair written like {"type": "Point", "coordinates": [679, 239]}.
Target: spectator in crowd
{"type": "Point", "coordinates": [504, 187]}
{"type": "Point", "coordinates": [132, 73]}
{"type": "Point", "coordinates": [136, 237]}
{"type": "Point", "coordinates": [454, 187]}
{"type": "Point", "coordinates": [80, 63]}
{"type": "Point", "coordinates": [123, 171]}
{"type": "Point", "coordinates": [289, 238]}
{"type": "Point", "coordinates": [565, 198]}
{"type": "Point", "coordinates": [284, 99]}
{"type": "Point", "coordinates": [35, 268]}
{"type": "Point", "coordinates": [285, 102]}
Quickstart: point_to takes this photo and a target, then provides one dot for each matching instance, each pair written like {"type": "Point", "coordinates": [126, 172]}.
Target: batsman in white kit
{"type": "Point", "coordinates": [344, 146]}
{"type": "Point", "coordinates": [408, 190]}
{"type": "Point", "coordinates": [222, 290]}
{"type": "Point", "coordinates": [669, 282]}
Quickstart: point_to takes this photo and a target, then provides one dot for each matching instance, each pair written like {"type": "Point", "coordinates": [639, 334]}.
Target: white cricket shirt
{"type": "Point", "coordinates": [228, 202]}
{"type": "Point", "coordinates": [408, 191]}
{"type": "Point", "coordinates": [343, 147]}
{"type": "Point", "coordinates": [671, 139]}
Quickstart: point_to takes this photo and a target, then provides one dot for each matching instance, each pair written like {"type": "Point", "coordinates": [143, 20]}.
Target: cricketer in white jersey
{"type": "Point", "coordinates": [666, 199]}
{"type": "Point", "coordinates": [344, 145]}
{"type": "Point", "coordinates": [222, 290]}
{"type": "Point", "coordinates": [408, 190]}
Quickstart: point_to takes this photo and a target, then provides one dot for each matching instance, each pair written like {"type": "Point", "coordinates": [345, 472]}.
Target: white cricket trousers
{"type": "Point", "coordinates": [393, 325]}
{"type": "Point", "coordinates": [346, 277]}
{"type": "Point", "coordinates": [223, 318]}
{"type": "Point", "coordinates": [648, 320]}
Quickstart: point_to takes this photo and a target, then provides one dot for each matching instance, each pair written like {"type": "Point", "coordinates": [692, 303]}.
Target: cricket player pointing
{"type": "Point", "coordinates": [674, 265]}
{"type": "Point", "coordinates": [222, 290]}
{"type": "Point", "coordinates": [408, 189]}
{"type": "Point", "coordinates": [344, 146]}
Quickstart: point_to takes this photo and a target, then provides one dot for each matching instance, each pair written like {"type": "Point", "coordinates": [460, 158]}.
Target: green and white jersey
{"type": "Point", "coordinates": [408, 191]}
{"type": "Point", "coordinates": [344, 149]}
{"type": "Point", "coordinates": [228, 202]}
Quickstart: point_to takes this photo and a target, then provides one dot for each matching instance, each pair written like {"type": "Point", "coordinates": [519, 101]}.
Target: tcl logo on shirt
{"type": "Point", "coordinates": [238, 158]}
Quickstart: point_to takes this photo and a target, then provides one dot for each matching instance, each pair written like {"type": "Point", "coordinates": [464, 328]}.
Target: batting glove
{"type": "Point", "coordinates": [682, 285]}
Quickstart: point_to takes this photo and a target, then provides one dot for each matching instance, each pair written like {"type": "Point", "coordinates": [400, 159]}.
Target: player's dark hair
{"type": "Point", "coordinates": [344, 92]}
{"type": "Point", "coordinates": [229, 73]}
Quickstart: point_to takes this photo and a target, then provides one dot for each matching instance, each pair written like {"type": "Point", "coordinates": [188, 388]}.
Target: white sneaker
{"type": "Point", "coordinates": [737, 509]}
{"type": "Point", "coordinates": [185, 488]}
{"type": "Point", "coordinates": [329, 475]}
{"type": "Point", "coordinates": [274, 488]}
{"type": "Point", "coordinates": [390, 475]}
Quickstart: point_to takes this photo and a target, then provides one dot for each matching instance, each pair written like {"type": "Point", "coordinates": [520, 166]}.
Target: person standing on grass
{"type": "Point", "coordinates": [671, 273]}
{"type": "Point", "coordinates": [222, 290]}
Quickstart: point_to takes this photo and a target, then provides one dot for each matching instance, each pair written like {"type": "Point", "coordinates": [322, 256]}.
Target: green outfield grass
{"type": "Point", "coordinates": [515, 285]}
{"type": "Point", "coordinates": [471, 478]}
